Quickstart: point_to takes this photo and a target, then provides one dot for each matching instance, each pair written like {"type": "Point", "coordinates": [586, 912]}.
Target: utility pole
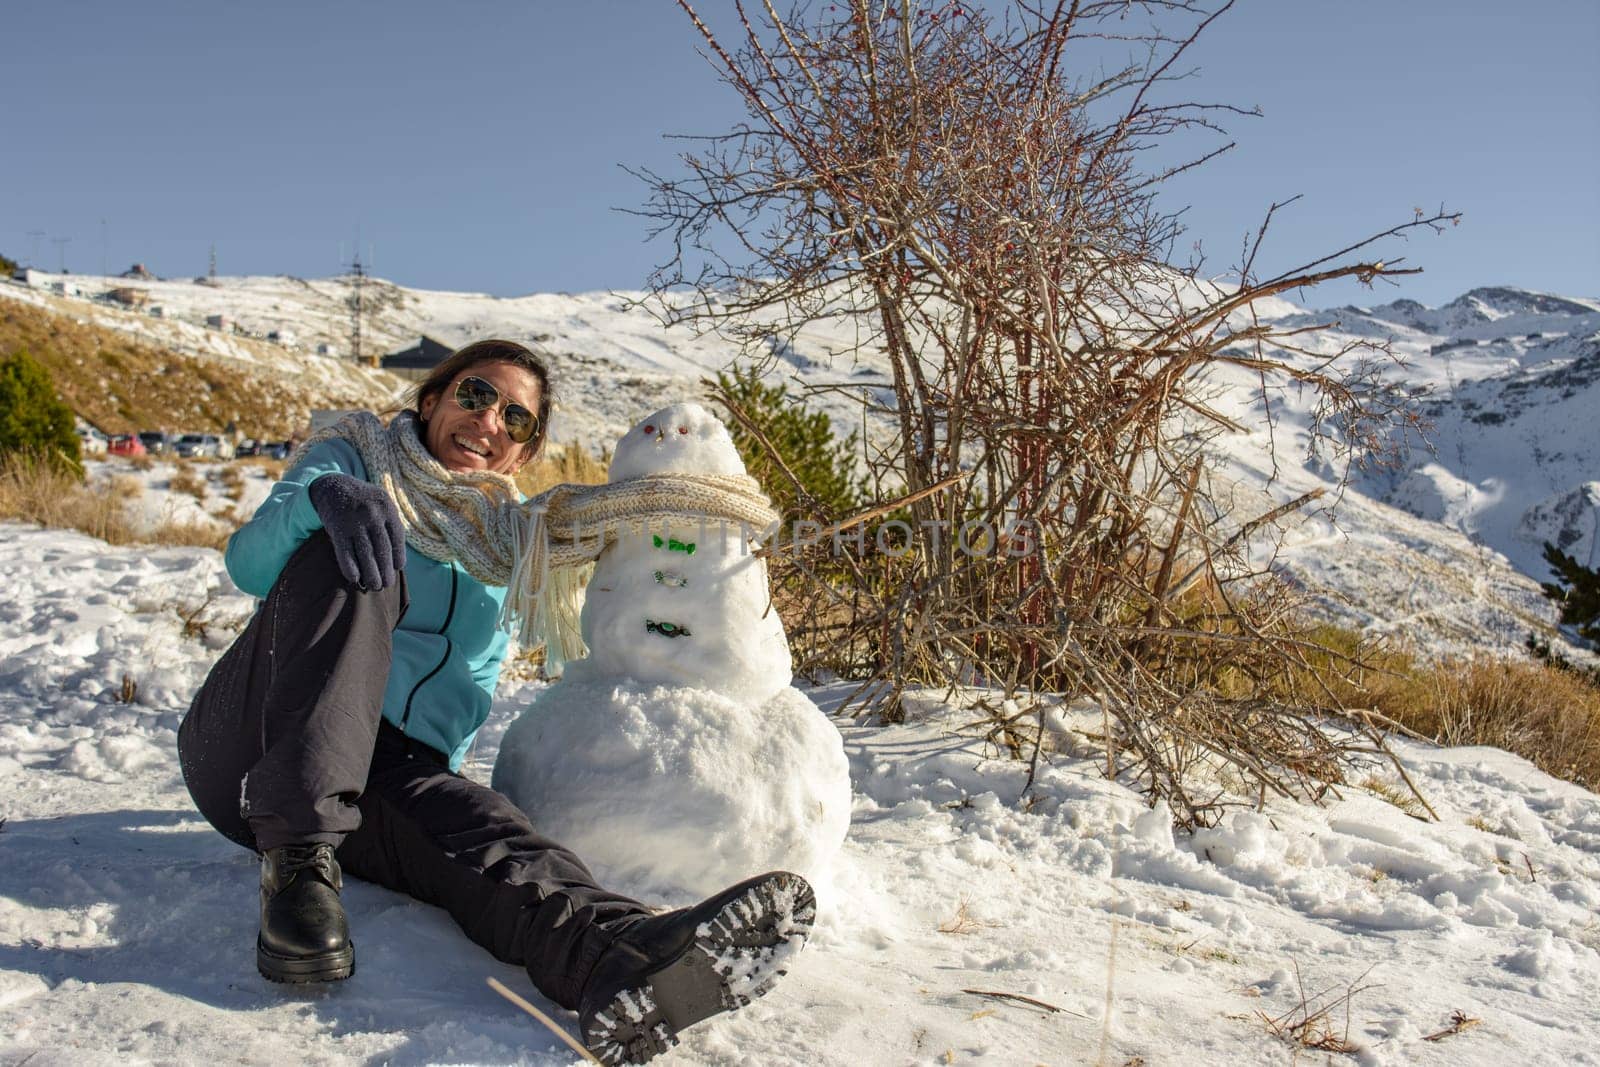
{"type": "Point", "coordinates": [211, 271]}
{"type": "Point", "coordinates": [360, 276]}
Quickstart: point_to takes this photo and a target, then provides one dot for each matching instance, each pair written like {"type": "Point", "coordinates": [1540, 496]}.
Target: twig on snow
{"type": "Point", "coordinates": [1460, 1022]}
{"type": "Point", "coordinates": [1022, 999]}
{"type": "Point", "coordinates": [500, 987]}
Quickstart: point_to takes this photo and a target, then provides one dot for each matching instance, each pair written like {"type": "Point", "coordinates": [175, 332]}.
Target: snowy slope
{"type": "Point", "coordinates": [126, 924]}
{"type": "Point", "coordinates": [1455, 533]}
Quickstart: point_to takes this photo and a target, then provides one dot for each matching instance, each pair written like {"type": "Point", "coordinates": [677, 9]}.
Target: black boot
{"type": "Point", "coordinates": [666, 972]}
{"type": "Point", "coordinates": [304, 937]}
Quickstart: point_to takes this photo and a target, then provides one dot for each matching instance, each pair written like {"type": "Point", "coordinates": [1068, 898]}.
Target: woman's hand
{"type": "Point", "coordinates": [369, 542]}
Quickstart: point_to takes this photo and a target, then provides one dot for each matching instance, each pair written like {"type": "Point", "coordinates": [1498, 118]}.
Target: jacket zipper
{"type": "Point", "coordinates": [449, 613]}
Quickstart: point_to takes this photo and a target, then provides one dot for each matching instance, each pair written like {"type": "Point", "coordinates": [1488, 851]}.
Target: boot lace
{"type": "Point", "coordinates": [318, 858]}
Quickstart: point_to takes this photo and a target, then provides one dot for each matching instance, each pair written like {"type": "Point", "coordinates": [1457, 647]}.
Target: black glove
{"type": "Point", "coordinates": [362, 522]}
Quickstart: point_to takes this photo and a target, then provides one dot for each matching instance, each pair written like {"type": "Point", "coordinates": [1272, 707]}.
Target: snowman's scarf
{"type": "Point", "coordinates": [540, 549]}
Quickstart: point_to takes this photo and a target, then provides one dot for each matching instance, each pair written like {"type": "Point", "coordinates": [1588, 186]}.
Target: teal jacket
{"type": "Point", "coordinates": [448, 646]}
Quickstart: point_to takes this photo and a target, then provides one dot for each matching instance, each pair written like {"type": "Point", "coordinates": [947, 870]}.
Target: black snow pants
{"type": "Point", "coordinates": [285, 743]}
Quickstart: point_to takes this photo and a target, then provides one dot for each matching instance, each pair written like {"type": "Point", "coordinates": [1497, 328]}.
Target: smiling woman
{"type": "Point", "coordinates": [328, 738]}
{"type": "Point", "coordinates": [485, 408]}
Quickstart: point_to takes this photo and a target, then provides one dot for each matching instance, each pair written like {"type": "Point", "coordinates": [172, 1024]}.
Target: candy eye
{"type": "Point", "coordinates": [683, 429]}
{"type": "Point", "coordinates": [649, 429]}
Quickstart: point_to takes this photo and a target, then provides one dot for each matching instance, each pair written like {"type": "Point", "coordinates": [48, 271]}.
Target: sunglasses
{"type": "Point", "coordinates": [475, 394]}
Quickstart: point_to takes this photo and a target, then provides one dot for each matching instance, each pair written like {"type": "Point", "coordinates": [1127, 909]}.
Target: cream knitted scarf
{"type": "Point", "coordinates": [539, 548]}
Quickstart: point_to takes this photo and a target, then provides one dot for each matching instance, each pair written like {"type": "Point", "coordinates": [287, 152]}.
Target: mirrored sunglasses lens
{"type": "Point", "coordinates": [520, 423]}
{"type": "Point", "coordinates": [475, 394]}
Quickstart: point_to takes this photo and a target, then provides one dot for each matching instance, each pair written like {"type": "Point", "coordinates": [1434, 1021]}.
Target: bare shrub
{"type": "Point", "coordinates": [939, 178]}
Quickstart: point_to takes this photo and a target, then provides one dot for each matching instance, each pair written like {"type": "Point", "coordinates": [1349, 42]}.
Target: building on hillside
{"type": "Point", "coordinates": [220, 322]}
{"type": "Point", "coordinates": [138, 270]}
{"type": "Point", "coordinates": [130, 295]}
{"type": "Point", "coordinates": [415, 362]}
{"type": "Point", "coordinates": [327, 349]}
{"type": "Point", "coordinates": [157, 311]}
{"type": "Point", "coordinates": [286, 338]}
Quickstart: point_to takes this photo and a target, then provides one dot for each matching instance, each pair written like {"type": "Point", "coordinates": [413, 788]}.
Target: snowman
{"type": "Point", "coordinates": [677, 758]}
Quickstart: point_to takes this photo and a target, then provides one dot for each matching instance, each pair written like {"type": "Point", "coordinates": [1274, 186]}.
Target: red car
{"type": "Point", "coordinates": [126, 444]}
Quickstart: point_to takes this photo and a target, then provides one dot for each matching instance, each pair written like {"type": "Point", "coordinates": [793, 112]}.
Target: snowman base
{"type": "Point", "coordinates": [672, 793]}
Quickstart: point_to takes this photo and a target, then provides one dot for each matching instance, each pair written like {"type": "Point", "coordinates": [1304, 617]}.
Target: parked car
{"type": "Point", "coordinates": [201, 446]}
{"type": "Point", "coordinates": [276, 449]}
{"type": "Point", "coordinates": [91, 442]}
{"type": "Point", "coordinates": [126, 444]}
{"type": "Point", "coordinates": [248, 447]}
{"type": "Point", "coordinates": [156, 442]}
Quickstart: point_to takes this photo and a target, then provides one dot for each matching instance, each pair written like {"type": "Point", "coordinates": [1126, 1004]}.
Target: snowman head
{"type": "Point", "coordinates": [678, 439]}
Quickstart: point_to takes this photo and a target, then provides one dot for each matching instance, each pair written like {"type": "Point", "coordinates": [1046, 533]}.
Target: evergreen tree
{"type": "Point", "coordinates": [804, 440]}
{"type": "Point", "coordinates": [8, 266]}
{"type": "Point", "coordinates": [32, 417]}
{"type": "Point", "coordinates": [1576, 589]}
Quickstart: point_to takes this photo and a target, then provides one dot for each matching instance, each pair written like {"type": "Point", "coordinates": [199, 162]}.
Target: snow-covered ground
{"type": "Point", "coordinates": [126, 923]}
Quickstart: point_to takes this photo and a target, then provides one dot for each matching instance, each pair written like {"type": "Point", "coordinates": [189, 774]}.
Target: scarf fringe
{"type": "Point", "coordinates": [544, 604]}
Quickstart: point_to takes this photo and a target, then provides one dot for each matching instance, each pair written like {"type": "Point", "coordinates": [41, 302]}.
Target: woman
{"type": "Point", "coordinates": [328, 737]}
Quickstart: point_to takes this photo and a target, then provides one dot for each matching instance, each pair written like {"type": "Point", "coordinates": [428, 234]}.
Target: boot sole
{"type": "Point", "coordinates": [736, 956]}
{"type": "Point", "coordinates": [300, 970]}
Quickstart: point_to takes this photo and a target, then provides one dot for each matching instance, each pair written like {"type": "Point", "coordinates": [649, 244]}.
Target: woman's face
{"type": "Point", "coordinates": [464, 440]}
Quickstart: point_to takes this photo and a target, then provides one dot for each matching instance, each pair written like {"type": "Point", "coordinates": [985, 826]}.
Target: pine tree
{"type": "Point", "coordinates": [1576, 589]}
{"type": "Point", "coordinates": [803, 440]}
{"type": "Point", "coordinates": [33, 418]}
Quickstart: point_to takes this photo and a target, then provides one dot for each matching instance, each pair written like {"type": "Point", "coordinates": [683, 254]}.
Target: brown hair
{"type": "Point", "coordinates": [491, 351]}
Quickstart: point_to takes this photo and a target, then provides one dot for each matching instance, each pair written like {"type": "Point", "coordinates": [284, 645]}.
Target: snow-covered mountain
{"type": "Point", "coordinates": [1453, 536]}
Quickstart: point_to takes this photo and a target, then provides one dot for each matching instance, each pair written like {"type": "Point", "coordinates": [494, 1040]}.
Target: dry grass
{"type": "Point", "coordinates": [186, 479]}
{"type": "Point", "coordinates": [571, 463]}
{"type": "Point", "coordinates": [232, 479]}
{"type": "Point", "coordinates": [155, 387]}
{"type": "Point", "coordinates": [964, 922]}
{"type": "Point", "coordinates": [127, 486]}
{"type": "Point", "coordinates": [40, 493]}
{"type": "Point", "coordinates": [193, 533]}
{"type": "Point", "coordinates": [273, 468]}
{"type": "Point", "coordinates": [1310, 1023]}
{"type": "Point", "coordinates": [1395, 793]}
{"type": "Point", "coordinates": [1541, 712]}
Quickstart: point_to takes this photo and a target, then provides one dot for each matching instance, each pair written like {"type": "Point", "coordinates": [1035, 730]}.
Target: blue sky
{"type": "Point", "coordinates": [477, 145]}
